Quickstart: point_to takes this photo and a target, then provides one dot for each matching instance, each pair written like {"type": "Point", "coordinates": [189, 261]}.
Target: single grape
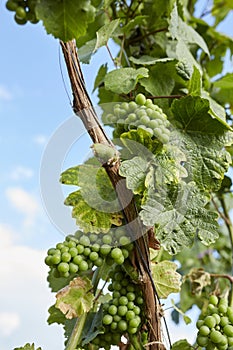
{"type": "Point", "coordinates": [83, 266]}
{"type": "Point", "coordinates": [135, 322]}
{"type": "Point", "coordinates": [228, 330]}
{"type": "Point", "coordinates": [131, 296]}
{"type": "Point", "coordinates": [11, 5]}
{"type": "Point", "coordinates": [77, 259]}
{"type": "Point", "coordinates": [107, 319]}
{"type": "Point", "coordinates": [122, 325]}
{"type": "Point", "coordinates": [202, 341]}
{"type": "Point", "coordinates": [116, 253]}
{"type": "Point", "coordinates": [73, 252]}
{"type": "Point", "coordinates": [123, 300]}
{"type": "Point", "coordinates": [20, 13]}
{"type": "Point", "coordinates": [107, 239]}
{"type": "Point", "coordinates": [95, 247]}
{"type": "Point", "coordinates": [204, 330]}
{"type": "Point", "coordinates": [63, 267]}
{"type": "Point", "coordinates": [210, 321]}
{"type": "Point", "coordinates": [56, 259]}
{"type": "Point", "coordinates": [73, 268]}
{"type": "Point", "coordinates": [93, 256]}
{"type": "Point", "coordinates": [66, 257]}
{"type": "Point", "coordinates": [122, 310]}
{"type": "Point", "coordinates": [215, 336]}
{"type": "Point", "coordinates": [224, 320]}
{"type": "Point", "coordinates": [140, 99]}
{"type": "Point", "coordinates": [85, 241]}
{"type": "Point", "coordinates": [48, 260]}
{"type": "Point", "coordinates": [112, 310]}
{"type": "Point", "coordinates": [130, 315]}
{"type": "Point", "coordinates": [87, 251]}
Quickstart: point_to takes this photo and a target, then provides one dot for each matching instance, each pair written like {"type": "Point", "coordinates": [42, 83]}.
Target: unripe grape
{"type": "Point", "coordinates": [202, 341]}
{"type": "Point", "coordinates": [56, 259]}
{"type": "Point", "coordinates": [63, 267]}
{"type": "Point", "coordinates": [83, 266]}
{"type": "Point", "coordinates": [77, 259]}
{"type": "Point", "coordinates": [140, 99]}
{"type": "Point", "coordinates": [66, 257]}
{"type": "Point", "coordinates": [112, 310]}
{"type": "Point", "coordinates": [204, 330]}
{"type": "Point", "coordinates": [73, 268]}
{"type": "Point", "coordinates": [228, 330]}
{"type": "Point", "coordinates": [210, 321]}
{"type": "Point", "coordinates": [215, 336]}
{"type": "Point", "coordinates": [122, 310]}
{"type": "Point", "coordinates": [105, 249]}
{"type": "Point", "coordinates": [122, 325]}
{"type": "Point", "coordinates": [85, 241]}
{"type": "Point", "coordinates": [107, 319]}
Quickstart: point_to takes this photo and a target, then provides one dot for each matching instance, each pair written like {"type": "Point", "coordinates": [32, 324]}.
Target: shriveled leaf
{"type": "Point", "coordinates": [179, 212]}
{"type": "Point", "coordinates": [75, 299]}
{"type": "Point", "coordinates": [124, 80]}
{"type": "Point", "coordinates": [182, 344]}
{"type": "Point", "coordinates": [65, 20]}
{"type": "Point", "coordinates": [105, 33]}
{"type": "Point", "coordinates": [165, 277]}
{"type": "Point", "coordinates": [199, 279]}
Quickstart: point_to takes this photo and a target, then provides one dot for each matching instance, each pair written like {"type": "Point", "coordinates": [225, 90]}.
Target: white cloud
{"type": "Point", "coordinates": [24, 202]}
{"type": "Point", "coordinates": [9, 322]}
{"type": "Point", "coordinates": [5, 94]}
{"type": "Point", "coordinates": [40, 140]}
{"type": "Point", "coordinates": [25, 297]}
{"type": "Point", "coordinates": [21, 173]}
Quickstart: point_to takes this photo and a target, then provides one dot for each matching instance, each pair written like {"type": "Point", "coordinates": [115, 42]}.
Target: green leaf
{"type": "Point", "coordinates": [148, 60]}
{"type": "Point", "coordinates": [186, 318]}
{"type": "Point", "coordinates": [195, 131]}
{"type": "Point", "coordinates": [75, 299]}
{"type": "Point", "coordinates": [124, 80]}
{"type": "Point", "coordinates": [105, 33]}
{"type": "Point", "coordinates": [70, 176]}
{"type": "Point", "coordinates": [160, 81]}
{"type": "Point", "coordinates": [65, 20]}
{"type": "Point", "coordinates": [226, 82]}
{"type": "Point", "coordinates": [165, 277]}
{"type": "Point", "coordinates": [86, 51]}
{"type": "Point", "coordinates": [136, 21]}
{"type": "Point", "coordinates": [195, 83]}
{"type": "Point", "coordinates": [55, 315]}
{"type": "Point", "coordinates": [181, 31]}
{"type": "Point", "coordinates": [182, 344]}
{"type": "Point", "coordinates": [93, 326]}
{"type": "Point", "coordinates": [135, 172]}
{"type": "Point", "coordinates": [28, 347]}
{"type": "Point", "coordinates": [57, 283]}
{"type": "Point", "coordinates": [99, 80]}
{"type": "Point", "coordinates": [178, 212]}
{"type": "Point", "coordinates": [90, 219]}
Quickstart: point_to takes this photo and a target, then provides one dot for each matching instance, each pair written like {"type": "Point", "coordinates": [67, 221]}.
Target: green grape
{"type": "Point", "coordinates": [59, 246]}
{"type": "Point", "coordinates": [48, 260]}
{"type": "Point", "coordinates": [63, 267]}
{"type": "Point", "coordinates": [83, 266]}
{"type": "Point", "coordinates": [230, 340]}
{"type": "Point", "coordinates": [64, 249]}
{"type": "Point", "coordinates": [87, 251]}
{"type": "Point", "coordinates": [11, 5]}
{"type": "Point", "coordinates": [122, 325]}
{"type": "Point", "coordinates": [140, 99]}
{"type": "Point", "coordinates": [117, 318]}
{"type": "Point", "coordinates": [123, 300]}
{"type": "Point", "coordinates": [202, 341]}
{"type": "Point", "coordinates": [107, 239]}
{"type": "Point", "coordinates": [107, 319]}
{"type": "Point", "coordinates": [130, 315]}
{"type": "Point", "coordinates": [145, 120]}
{"type": "Point", "coordinates": [93, 256]}
{"type": "Point", "coordinates": [66, 257]}
{"type": "Point", "coordinates": [73, 252]}
{"type": "Point", "coordinates": [210, 321]}
{"type": "Point", "coordinates": [85, 241]}
{"type": "Point", "coordinates": [112, 310]}
{"type": "Point", "coordinates": [116, 253]}
{"type": "Point", "coordinates": [217, 318]}
{"type": "Point", "coordinates": [77, 259]}
{"type": "Point", "coordinates": [131, 296]}
{"type": "Point", "coordinates": [199, 323]}
{"type": "Point", "coordinates": [120, 260]}
{"type": "Point", "coordinates": [215, 336]}
{"type": "Point", "coordinates": [136, 309]}
{"type": "Point", "coordinates": [80, 248]}
{"type": "Point", "coordinates": [130, 305]}
{"type": "Point", "coordinates": [95, 247]}
{"type": "Point", "coordinates": [122, 310]}
{"type": "Point", "coordinates": [132, 330]}
{"type": "Point", "coordinates": [228, 330]}
{"type": "Point", "coordinates": [56, 259]}
{"type": "Point", "coordinates": [113, 326]}
{"type": "Point", "coordinates": [224, 321]}
{"type": "Point", "coordinates": [105, 249]}
{"type": "Point", "coordinates": [135, 322]}
{"type": "Point", "coordinates": [20, 12]}
{"type": "Point", "coordinates": [71, 244]}
{"type": "Point", "coordinates": [132, 105]}
{"type": "Point", "coordinates": [204, 330]}
{"type": "Point", "coordinates": [73, 268]}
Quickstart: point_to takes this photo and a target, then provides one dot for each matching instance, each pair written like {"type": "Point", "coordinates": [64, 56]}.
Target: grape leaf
{"type": "Point", "coordinates": [181, 31]}
{"type": "Point", "coordinates": [124, 80]}
{"type": "Point", "coordinates": [93, 326]}
{"type": "Point", "coordinates": [182, 344]}
{"type": "Point", "coordinates": [75, 299]}
{"type": "Point", "coordinates": [225, 82]}
{"type": "Point", "coordinates": [28, 347]}
{"type": "Point", "coordinates": [199, 279]}
{"type": "Point", "coordinates": [135, 172]}
{"type": "Point", "coordinates": [195, 82]}
{"type": "Point", "coordinates": [86, 51]}
{"type": "Point", "coordinates": [216, 110]}
{"type": "Point", "coordinates": [105, 33]}
{"type": "Point", "coordinates": [96, 188]}
{"type": "Point", "coordinates": [195, 131]}
{"type": "Point", "coordinates": [165, 277]}
{"type": "Point", "coordinates": [178, 211]}
{"type": "Point", "coordinates": [60, 17]}
{"type": "Point", "coordinates": [99, 80]}
{"type": "Point", "coordinates": [57, 283]}
{"type": "Point", "coordinates": [90, 219]}
{"type": "Point", "coordinates": [55, 315]}
{"type": "Point", "coordinates": [148, 60]}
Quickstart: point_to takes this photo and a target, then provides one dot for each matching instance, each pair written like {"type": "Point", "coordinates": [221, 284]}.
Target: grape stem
{"type": "Point", "coordinates": [75, 337]}
{"type": "Point", "coordinates": [219, 275]}
{"type": "Point", "coordinates": [165, 96]}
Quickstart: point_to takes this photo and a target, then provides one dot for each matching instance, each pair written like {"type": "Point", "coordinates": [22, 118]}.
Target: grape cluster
{"type": "Point", "coordinates": [122, 314]}
{"type": "Point", "coordinates": [215, 328]}
{"type": "Point", "coordinates": [81, 252]}
{"type": "Point", "coordinates": [139, 114]}
{"type": "Point", "coordinates": [24, 10]}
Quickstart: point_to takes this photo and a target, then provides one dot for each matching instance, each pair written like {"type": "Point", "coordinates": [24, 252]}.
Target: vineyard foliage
{"type": "Point", "coordinates": [168, 103]}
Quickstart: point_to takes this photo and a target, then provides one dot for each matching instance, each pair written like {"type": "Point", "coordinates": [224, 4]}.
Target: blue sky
{"type": "Point", "coordinates": [33, 106]}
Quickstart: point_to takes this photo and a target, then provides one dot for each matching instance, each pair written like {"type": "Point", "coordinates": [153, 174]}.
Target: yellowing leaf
{"type": "Point", "coordinates": [166, 279]}
{"type": "Point", "coordinates": [75, 299]}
